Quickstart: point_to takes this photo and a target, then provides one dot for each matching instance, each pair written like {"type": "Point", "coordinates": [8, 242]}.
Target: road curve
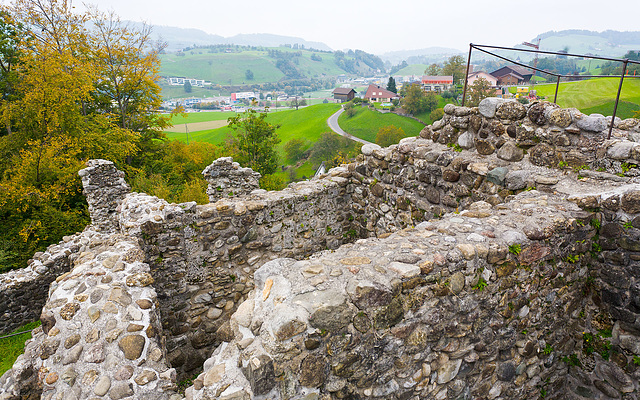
{"type": "Point", "coordinates": [332, 121]}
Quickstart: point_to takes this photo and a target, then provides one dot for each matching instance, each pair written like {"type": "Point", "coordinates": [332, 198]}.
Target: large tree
{"type": "Point", "coordinates": [416, 101]}
{"type": "Point", "coordinates": [433, 70]}
{"type": "Point", "coordinates": [454, 66]}
{"type": "Point", "coordinates": [254, 140]}
{"type": "Point", "coordinates": [75, 90]}
{"type": "Point", "coordinates": [479, 90]}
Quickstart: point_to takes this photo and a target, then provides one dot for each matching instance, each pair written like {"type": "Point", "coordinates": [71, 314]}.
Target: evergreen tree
{"type": "Point", "coordinates": [391, 85]}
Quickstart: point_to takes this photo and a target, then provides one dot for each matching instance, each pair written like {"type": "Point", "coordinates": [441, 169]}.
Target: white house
{"type": "Point", "coordinates": [493, 81]}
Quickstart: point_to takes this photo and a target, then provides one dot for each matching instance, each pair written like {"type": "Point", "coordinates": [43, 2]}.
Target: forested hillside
{"type": "Point", "coordinates": [251, 65]}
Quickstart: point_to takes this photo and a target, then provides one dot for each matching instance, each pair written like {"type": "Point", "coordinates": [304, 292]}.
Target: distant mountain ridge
{"type": "Point", "coordinates": [615, 37]}
{"type": "Point", "coordinates": [419, 55]}
{"type": "Point", "coordinates": [181, 38]}
{"type": "Point", "coordinates": [608, 43]}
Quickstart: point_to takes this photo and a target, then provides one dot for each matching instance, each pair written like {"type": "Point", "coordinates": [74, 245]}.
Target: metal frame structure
{"type": "Point", "coordinates": [624, 62]}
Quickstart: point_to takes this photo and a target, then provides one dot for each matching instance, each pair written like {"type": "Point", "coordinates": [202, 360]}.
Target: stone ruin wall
{"type": "Point", "coordinates": [202, 260]}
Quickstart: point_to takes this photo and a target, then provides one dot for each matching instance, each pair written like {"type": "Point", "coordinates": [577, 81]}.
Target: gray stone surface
{"type": "Point", "coordinates": [488, 106]}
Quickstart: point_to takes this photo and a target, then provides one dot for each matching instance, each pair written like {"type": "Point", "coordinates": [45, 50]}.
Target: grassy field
{"type": "Point", "coordinates": [307, 123]}
{"type": "Point", "coordinates": [11, 348]}
{"type": "Point", "coordinates": [204, 116]}
{"type": "Point", "coordinates": [595, 95]}
{"type": "Point", "coordinates": [222, 68]}
{"type": "Point", "coordinates": [599, 93]}
{"type": "Point", "coordinates": [412, 69]}
{"type": "Point", "coordinates": [625, 109]}
{"type": "Point", "coordinates": [366, 124]}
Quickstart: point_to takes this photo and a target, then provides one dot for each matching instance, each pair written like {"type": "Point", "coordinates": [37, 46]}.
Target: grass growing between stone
{"type": "Point", "coordinates": [12, 347]}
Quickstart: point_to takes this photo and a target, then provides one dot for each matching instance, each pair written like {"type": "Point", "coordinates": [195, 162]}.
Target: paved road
{"type": "Point", "coordinates": [333, 124]}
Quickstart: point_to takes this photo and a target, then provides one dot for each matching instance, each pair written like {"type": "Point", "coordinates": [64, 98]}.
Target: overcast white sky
{"type": "Point", "coordinates": [379, 26]}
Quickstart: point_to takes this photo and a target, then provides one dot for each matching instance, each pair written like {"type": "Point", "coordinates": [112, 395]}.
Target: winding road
{"type": "Point", "coordinates": [332, 121]}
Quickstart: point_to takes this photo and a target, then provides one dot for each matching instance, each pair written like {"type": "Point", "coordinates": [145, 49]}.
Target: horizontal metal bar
{"type": "Point", "coordinates": [517, 63]}
{"type": "Point", "coordinates": [555, 53]}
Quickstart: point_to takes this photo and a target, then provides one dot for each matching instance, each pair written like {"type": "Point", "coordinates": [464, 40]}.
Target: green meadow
{"type": "Point", "coordinates": [307, 123]}
{"type": "Point", "coordinates": [366, 123]}
{"type": "Point", "coordinates": [595, 95]}
{"type": "Point", "coordinates": [12, 347]}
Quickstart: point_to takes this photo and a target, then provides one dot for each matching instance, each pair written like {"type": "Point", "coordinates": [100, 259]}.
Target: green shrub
{"type": "Point", "coordinates": [436, 114]}
{"type": "Point", "coordinates": [272, 182]}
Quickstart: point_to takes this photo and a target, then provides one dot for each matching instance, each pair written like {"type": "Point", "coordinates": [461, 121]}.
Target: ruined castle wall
{"type": "Point", "coordinates": [447, 309]}
{"type": "Point", "coordinates": [23, 292]}
{"type": "Point", "coordinates": [101, 335]}
{"type": "Point", "coordinates": [203, 257]}
{"type": "Point", "coordinates": [496, 302]}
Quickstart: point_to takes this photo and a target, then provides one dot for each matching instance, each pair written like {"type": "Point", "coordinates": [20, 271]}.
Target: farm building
{"type": "Point", "coordinates": [512, 75]}
{"type": "Point", "coordinates": [344, 94]}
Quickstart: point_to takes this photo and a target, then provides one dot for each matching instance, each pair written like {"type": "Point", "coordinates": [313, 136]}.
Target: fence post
{"type": "Point", "coordinates": [466, 76]}
{"type": "Point", "coordinates": [615, 107]}
{"type": "Point", "coordinates": [555, 98]}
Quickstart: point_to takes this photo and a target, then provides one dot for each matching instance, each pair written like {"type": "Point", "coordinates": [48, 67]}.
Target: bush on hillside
{"type": "Point", "coordinates": [388, 135]}
{"type": "Point", "coordinates": [332, 149]}
{"type": "Point", "coordinates": [272, 182]}
{"type": "Point", "coordinates": [294, 149]}
{"type": "Point", "coordinates": [436, 114]}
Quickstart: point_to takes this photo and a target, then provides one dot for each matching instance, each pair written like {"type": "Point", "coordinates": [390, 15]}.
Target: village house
{"type": "Point", "coordinates": [474, 76]}
{"type": "Point", "coordinates": [377, 94]}
{"type": "Point", "coordinates": [344, 94]}
{"type": "Point", "coordinates": [436, 83]}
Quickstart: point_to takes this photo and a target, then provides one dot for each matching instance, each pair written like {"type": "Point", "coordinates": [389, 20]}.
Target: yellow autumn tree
{"type": "Point", "coordinates": [83, 85]}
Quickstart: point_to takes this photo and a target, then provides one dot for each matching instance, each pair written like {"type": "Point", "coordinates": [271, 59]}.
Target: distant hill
{"type": "Point", "coordinates": [270, 40]}
{"type": "Point", "coordinates": [420, 56]}
{"type": "Point", "coordinates": [250, 66]}
{"type": "Point", "coordinates": [181, 38]}
{"type": "Point", "coordinates": [608, 43]}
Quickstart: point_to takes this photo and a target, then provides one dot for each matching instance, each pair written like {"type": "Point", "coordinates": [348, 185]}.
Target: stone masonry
{"type": "Point", "coordinates": [228, 179]}
{"type": "Point", "coordinates": [495, 256]}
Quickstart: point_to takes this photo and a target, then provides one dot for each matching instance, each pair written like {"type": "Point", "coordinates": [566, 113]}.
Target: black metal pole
{"type": "Point", "coordinates": [615, 107]}
{"type": "Point", "coordinates": [555, 98]}
{"type": "Point", "coordinates": [466, 76]}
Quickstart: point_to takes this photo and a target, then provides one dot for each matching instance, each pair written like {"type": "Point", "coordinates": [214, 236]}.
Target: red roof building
{"type": "Point", "coordinates": [437, 83]}
{"type": "Point", "coordinates": [376, 94]}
